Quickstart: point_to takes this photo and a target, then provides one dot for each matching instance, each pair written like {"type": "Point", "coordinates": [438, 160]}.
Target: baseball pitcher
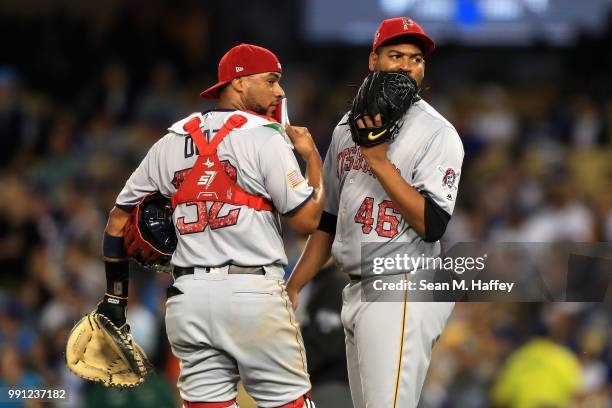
{"type": "Point", "coordinates": [391, 172]}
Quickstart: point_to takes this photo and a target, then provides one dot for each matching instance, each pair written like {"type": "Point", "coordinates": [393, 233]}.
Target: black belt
{"type": "Point", "coordinates": [232, 270]}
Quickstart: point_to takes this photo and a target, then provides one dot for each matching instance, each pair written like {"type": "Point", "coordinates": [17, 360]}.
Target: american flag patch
{"type": "Point", "coordinates": [295, 178]}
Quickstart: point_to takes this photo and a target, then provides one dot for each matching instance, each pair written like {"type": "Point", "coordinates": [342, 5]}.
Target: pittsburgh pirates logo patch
{"type": "Point", "coordinates": [450, 179]}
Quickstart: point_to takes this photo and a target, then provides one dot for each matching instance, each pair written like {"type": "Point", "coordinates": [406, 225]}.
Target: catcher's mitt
{"type": "Point", "coordinates": [99, 351]}
{"type": "Point", "coordinates": [387, 93]}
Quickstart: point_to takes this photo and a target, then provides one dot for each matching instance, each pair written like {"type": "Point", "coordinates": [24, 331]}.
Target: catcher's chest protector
{"type": "Point", "coordinates": [207, 181]}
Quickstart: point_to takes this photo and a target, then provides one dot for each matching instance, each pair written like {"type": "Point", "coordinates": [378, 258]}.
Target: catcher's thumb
{"type": "Point", "coordinates": [296, 131]}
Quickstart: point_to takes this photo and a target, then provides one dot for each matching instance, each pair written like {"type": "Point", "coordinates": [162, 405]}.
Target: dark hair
{"type": "Point", "coordinates": [403, 39]}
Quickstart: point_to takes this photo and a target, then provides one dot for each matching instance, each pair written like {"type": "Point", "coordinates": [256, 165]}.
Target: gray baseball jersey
{"type": "Point", "coordinates": [389, 344]}
{"type": "Point", "coordinates": [225, 327]}
{"type": "Point", "coordinates": [427, 152]}
{"type": "Point", "coordinates": [260, 161]}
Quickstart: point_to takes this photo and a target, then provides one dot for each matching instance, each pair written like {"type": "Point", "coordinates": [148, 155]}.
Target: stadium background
{"type": "Point", "coordinates": [86, 88]}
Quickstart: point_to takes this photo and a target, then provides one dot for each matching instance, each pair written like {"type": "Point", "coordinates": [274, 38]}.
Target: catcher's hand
{"type": "Point", "coordinates": [99, 351]}
{"type": "Point", "coordinates": [388, 94]}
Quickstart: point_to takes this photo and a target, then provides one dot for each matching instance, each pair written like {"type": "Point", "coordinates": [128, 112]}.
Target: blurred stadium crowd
{"type": "Point", "coordinates": [85, 92]}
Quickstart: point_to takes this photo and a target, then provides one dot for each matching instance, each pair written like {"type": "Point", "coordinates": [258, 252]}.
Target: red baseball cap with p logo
{"type": "Point", "coordinates": [243, 60]}
{"type": "Point", "coordinates": [402, 26]}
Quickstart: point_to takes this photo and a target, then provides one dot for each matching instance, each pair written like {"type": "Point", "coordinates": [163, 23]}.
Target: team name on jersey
{"type": "Point", "coordinates": [351, 159]}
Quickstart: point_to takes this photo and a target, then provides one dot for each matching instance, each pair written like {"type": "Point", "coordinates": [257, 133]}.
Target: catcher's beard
{"type": "Point", "coordinates": [255, 106]}
{"type": "Point", "coordinates": [252, 104]}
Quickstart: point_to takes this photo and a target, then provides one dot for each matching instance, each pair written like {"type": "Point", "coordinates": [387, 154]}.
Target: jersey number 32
{"type": "Point", "coordinates": [206, 217]}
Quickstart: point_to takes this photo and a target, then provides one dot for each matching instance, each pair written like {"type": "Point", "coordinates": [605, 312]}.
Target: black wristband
{"type": "Point", "coordinates": [114, 308]}
{"type": "Point", "coordinates": [328, 223]}
{"type": "Point", "coordinates": [112, 247]}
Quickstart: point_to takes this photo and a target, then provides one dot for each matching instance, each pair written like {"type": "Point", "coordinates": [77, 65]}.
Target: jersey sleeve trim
{"type": "Point", "coordinates": [436, 220]}
{"type": "Point", "coordinates": [125, 207]}
{"type": "Point", "coordinates": [300, 205]}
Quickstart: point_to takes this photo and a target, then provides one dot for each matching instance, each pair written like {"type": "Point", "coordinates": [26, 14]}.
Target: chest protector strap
{"type": "Point", "coordinates": [207, 181]}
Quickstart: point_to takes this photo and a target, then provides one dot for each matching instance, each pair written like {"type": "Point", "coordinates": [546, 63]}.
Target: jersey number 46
{"type": "Point", "coordinates": [386, 224]}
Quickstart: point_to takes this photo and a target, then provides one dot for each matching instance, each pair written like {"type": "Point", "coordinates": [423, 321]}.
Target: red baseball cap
{"type": "Point", "coordinates": [401, 26]}
{"type": "Point", "coordinates": [242, 60]}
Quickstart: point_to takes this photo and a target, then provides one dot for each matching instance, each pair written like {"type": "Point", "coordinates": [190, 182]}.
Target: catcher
{"type": "Point", "coordinates": [388, 176]}
{"type": "Point", "coordinates": [230, 174]}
